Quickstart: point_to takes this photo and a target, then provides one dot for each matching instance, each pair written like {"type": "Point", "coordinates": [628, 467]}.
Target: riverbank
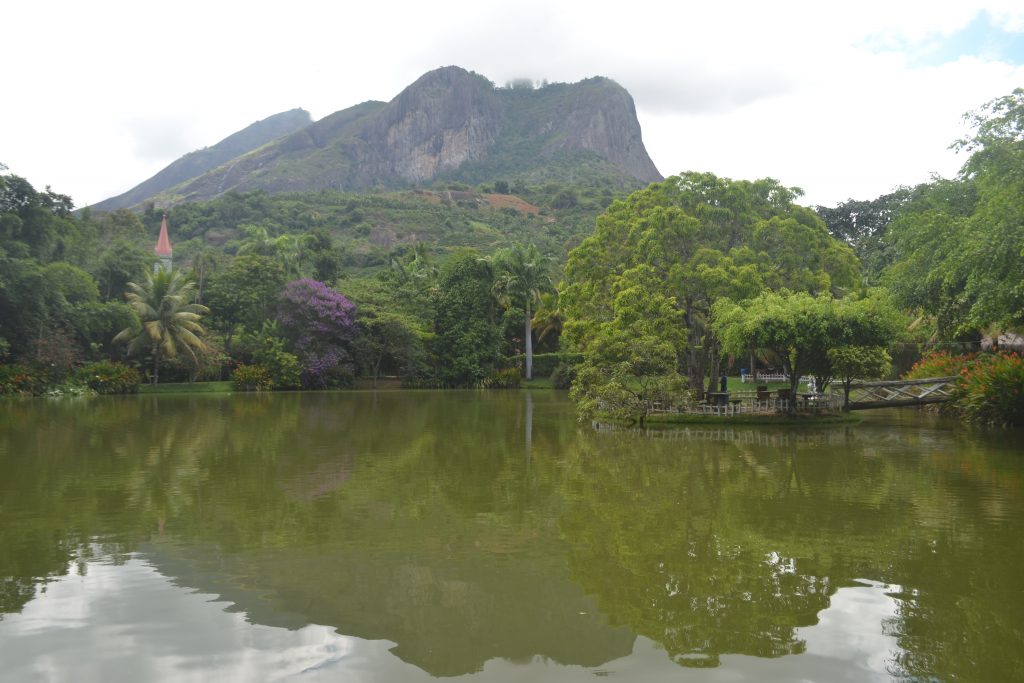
{"type": "Point", "coordinates": [800, 419]}
{"type": "Point", "coordinates": [226, 387]}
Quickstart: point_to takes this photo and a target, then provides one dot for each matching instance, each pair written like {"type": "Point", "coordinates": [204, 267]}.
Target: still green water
{"type": "Point", "coordinates": [401, 536]}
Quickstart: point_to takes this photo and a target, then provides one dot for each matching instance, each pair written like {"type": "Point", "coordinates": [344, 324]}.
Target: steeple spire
{"type": "Point", "coordinates": [163, 248]}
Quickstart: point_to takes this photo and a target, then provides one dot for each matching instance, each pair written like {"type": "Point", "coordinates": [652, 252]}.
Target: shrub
{"type": "Point", "coordinates": [991, 390]}
{"type": "Point", "coordinates": [21, 379]}
{"type": "Point", "coordinates": [107, 377]}
{"type": "Point", "coordinates": [282, 367]}
{"type": "Point", "coordinates": [505, 378]}
{"type": "Point", "coordinates": [564, 375]}
{"type": "Point", "coordinates": [940, 364]}
{"type": "Point", "coordinates": [252, 378]}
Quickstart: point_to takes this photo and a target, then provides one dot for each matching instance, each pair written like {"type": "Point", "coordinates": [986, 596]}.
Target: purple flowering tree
{"type": "Point", "coordinates": [320, 325]}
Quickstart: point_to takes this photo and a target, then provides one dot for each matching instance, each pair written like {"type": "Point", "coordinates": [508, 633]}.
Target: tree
{"type": "Point", "coordinates": [705, 238]}
{"type": "Point", "coordinates": [169, 322]}
{"type": "Point", "coordinates": [389, 341]}
{"type": "Point", "coordinates": [204, 261]}
{"type": "Point", "coordinates": [288, 249]}
{"type": "Point", "coordinates": [801, 329]}
{"type": "Point", "coordinates": [863, 224]}
{"type": "Point", "coordinates": [320, 326]}
{"type": "Point", "coordinates": [630, 361]}
{"type": "Point", "coordinates": [858, 362]}
{"type": "Point", "coordinates": [548, 319]}
{"type": "Point", "coordinates": [120, 263]}
{"type": "Point", "coordinates": [244, 294]}
{"type": "Point", "coordinates": [467, 340]}
{"type": "Point", "coordinates": [323, 256]}
{"type": "Point", "coordinates": [959, 245]}
{"type": "Point", "coordinates": [521, 279]}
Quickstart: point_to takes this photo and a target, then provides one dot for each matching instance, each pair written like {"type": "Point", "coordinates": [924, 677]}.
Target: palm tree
{"type": "Point", "coordinates": [169, 321]}
{"type": "Point", "coordinates": [257, 241]}
{"type": "Point", "coordinates": [523, 275]}
{"type": "Point", "coordinates": [203, 261]}
{"type": "Point", "coordinates": [548, 319]}
{"type": "Point", "coordinates": [289, 250]}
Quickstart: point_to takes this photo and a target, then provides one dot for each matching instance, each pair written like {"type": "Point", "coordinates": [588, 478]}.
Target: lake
{"type": "Point", "coordinates": [411, 535]}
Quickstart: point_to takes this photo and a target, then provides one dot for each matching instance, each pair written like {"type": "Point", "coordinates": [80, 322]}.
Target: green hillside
{"type": "Point", "coordinates": [368, 227]}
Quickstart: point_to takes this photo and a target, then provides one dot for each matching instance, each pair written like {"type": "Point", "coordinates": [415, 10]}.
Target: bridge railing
{"type": "Point", "coordinates": [903, 392]}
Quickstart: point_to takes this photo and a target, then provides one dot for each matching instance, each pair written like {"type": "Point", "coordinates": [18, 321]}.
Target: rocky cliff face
{"type": "Point", "coordinates": [446, 118]}
{"type": "Point", "coordinates": [452, 124]}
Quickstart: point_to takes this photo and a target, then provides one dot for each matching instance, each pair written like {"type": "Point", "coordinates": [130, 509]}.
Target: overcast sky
{"type": "Point", "coordinates": [842, 99]}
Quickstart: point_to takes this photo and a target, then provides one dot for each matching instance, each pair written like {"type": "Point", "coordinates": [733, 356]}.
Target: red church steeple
{"type": "Point", "coordinates": [163, 243]}
{"type": "Point", "coordinates": [163, 249]}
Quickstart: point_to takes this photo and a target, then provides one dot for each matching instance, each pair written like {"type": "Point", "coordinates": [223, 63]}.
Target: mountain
{"type": "Point", "coordinates": [449, 125]}
{"type": "Point", "coordinates": [196, 163]}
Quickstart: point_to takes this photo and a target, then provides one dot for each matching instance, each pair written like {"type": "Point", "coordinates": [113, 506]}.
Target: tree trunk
{"type": "Point", "coordinates": [714, 362]}
{"type": "Point", "coordinates": [156, 364]}
{"type": "Point", "coordinates": [794, 383]}
{"type": "Point", "coordinates": [529, 342]}
{"type": "Point", "coordinates": [694, 368]}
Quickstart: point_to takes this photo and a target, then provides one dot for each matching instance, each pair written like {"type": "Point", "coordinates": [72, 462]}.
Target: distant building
{"type": "Point", "coordinates": [163, 249]}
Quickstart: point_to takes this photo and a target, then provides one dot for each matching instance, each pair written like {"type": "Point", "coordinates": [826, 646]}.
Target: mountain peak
{"type": "Point", "coordinates": [201, 161]}
{"type": "Point", "coordinates": [449, 124]}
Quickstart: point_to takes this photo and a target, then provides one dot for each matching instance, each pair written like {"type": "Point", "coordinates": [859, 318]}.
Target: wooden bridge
{"type": "Point", "coordinates": [897, 393]}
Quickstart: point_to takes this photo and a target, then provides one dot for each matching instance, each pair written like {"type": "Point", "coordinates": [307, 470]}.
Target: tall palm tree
{"type": "Point", "coordinates": [523, 275]}
{"type": "Point", "coordinates": [287, 249]}
{"type": "Point", "coordinates": [257, 240]}
{"type": "Point", "coordinates": [169, 321]}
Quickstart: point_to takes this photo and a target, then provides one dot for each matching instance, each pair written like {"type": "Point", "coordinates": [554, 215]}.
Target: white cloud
{"type": "Point", "coordinates": [815, 94]}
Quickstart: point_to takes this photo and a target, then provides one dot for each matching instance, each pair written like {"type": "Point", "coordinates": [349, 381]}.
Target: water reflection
{"type": "Point", "coordinates": [488, 533]}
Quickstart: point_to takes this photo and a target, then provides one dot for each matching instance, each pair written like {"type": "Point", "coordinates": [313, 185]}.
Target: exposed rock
{"type": "Point", "coordinates": [449, 124]}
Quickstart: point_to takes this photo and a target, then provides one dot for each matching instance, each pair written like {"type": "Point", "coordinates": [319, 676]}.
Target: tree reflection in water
{"type": "Point", "coordinates": [468, 526]}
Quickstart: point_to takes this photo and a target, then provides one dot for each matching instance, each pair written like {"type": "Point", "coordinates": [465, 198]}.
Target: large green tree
{"type": "Point", "coordinates": [801, 329]}
{"type": "Point", "coordinates": [244, 294]}
{"type": "Point", "coordinates": [863, 224]}
{"type": "Point", "coordinates": [467, 337]}
{"type": "Point", "coordinates": [632, 359]}
{"type": "Point", "coordinates": [959, 245]}
{"type": "Point", "coordinates": [704, 238]}
{"type": "Point", "coordinates": [169, 322]}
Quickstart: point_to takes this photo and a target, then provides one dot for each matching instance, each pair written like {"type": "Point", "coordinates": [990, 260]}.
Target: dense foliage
{"type": "Point", "coordinates": [660, 260]}
{"type": "Point", "coordinates": [991, 390]}
{"type": "Point", "coordinates": [990, 386]}
{"type": "Point", "coordinates": [251, 378]}
{"type": "Point", "coordinates": [953, 250]}
{"type": "Point", "coordinates": [466, 322]}
{"type": "Point", "coordinates": [848, 363]}
{"type": "Point", "coordinates": [106, 377]}
{"type": "Point", "coordinates": [320, 326]}
{"type": "Point", "coordinates": [452, 285]}
{"type": "Point", "coordinates": [801, 330]}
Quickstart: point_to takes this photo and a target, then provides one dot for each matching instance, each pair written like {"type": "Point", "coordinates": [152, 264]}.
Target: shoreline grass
{"type": "Point", "coordinates": [224, 387]}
